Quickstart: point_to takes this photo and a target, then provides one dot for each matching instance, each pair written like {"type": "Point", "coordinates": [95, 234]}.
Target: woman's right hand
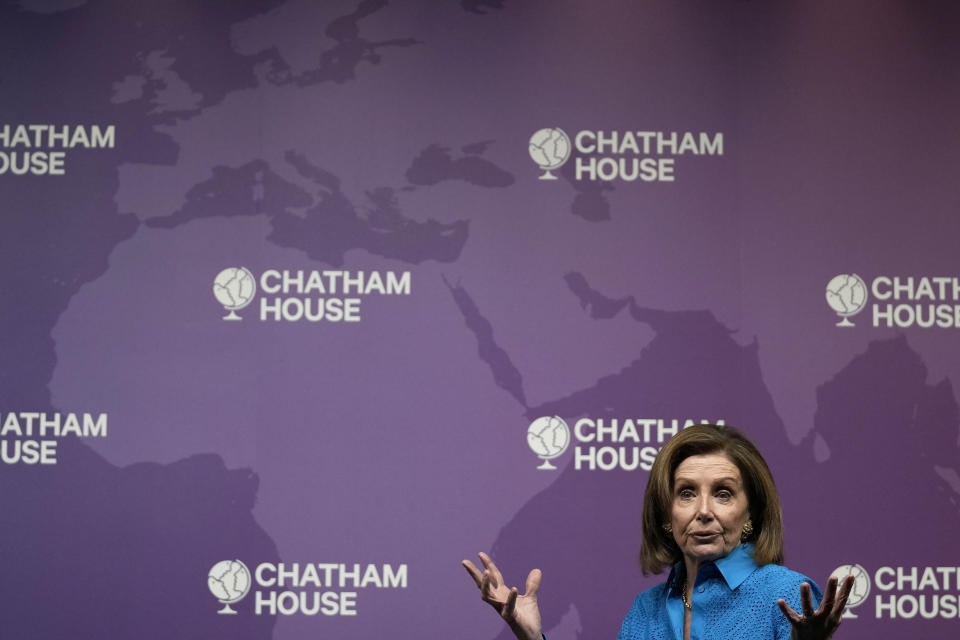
{"type": "Point", "coordinates": [520, 612]}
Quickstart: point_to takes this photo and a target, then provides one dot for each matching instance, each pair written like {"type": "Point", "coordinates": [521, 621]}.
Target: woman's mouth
{"type": "Point", "coordinates": [705, 536]}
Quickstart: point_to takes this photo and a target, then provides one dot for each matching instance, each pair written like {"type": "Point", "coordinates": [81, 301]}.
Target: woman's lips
{"type": "Point", "coordinates": [705, 535]}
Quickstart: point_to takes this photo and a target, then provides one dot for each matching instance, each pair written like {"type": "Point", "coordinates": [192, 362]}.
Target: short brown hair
{"type": "Point", "coordinates": [658, 549]}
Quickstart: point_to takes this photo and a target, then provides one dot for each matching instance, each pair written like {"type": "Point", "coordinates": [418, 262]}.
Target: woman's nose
{"type": "Point", "coordinates": [704, 509]}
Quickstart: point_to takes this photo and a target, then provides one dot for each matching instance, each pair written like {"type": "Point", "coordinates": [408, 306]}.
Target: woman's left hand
{"type": "Point", "coordinates": [822, 623]}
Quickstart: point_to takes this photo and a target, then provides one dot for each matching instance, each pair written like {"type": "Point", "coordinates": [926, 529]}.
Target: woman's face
{"type": "Point", "coordinates": [709, 507]}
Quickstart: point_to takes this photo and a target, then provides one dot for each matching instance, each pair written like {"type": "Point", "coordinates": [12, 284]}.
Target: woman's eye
{"type": "Point", "coordinates": [685, 494]}
{"type": "Point", "coordinates": [723, 494]}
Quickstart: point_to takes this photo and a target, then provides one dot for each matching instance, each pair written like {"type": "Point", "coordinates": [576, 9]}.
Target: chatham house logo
{"type": "Point", "coordinates": [548, 437]}
{"type": "Point", "coordinates": [229, 581]}
{"type": "Point", "coordinates": [847, 296]}
{"type": "Point", "coordinates": [861, 586]}
{"type": "Point", "coordinates": [550, 149]}
{"type": "Point", "coordinates": [234, 288]}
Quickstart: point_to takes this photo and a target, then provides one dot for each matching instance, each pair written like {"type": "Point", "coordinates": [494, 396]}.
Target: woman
{"type": "Point", "coordinates": [711, 513]}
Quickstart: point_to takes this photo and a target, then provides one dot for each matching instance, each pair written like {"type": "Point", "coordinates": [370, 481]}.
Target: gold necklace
{"type": "Point", "coordinates": [683, 596]}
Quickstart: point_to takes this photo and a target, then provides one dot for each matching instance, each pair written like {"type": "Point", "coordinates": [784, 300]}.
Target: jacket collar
{"type": "Point", "coordinates": [734, 567]}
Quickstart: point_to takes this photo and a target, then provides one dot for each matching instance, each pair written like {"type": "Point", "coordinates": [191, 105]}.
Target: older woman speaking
{"type": "Point", "coordinates": [712, 515]}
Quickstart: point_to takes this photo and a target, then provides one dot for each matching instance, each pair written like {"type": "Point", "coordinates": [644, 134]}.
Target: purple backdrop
{"type": "Point", "coordinates": [366, 137]}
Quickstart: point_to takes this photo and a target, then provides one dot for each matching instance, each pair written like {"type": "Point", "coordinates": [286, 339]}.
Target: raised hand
{"type": "Point", "coordinates": [822, 623]}
{"type": "Point", "coordinates": [520, 612]}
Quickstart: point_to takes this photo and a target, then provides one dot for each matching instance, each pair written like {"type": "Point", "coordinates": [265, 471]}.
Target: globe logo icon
{"type": "Point", "coordinates": [847, 296]}
{"type": "Point", "coordinates": [548, 437]}
{"type": "Point", "coordinates": [229, 582]}
{"type": "Point", "coordinates": [549, 148]}
{"type": "Point", "coordinates": [861, 585]}
{"type": "Point", "coordinates": [234, 288]}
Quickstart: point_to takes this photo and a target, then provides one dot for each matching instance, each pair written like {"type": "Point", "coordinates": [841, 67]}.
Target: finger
{"type": "Point", "coordinates": [845, 592]}
{"type": "Point", "coordinates": [806, 600]}
{"type": "Point", "coordinates": [533, 583]}
{"type": "Point", "coordinates": [511, 604]}
{"type": "Point", "coordinates": [828, 596]}
{"type": "Point", "coordinates": [490, 578]}
{"type": "Point", "coordinates": [473, 571]}
{"type": "Point", "coordinates": [486, 592]}
{"type": "Point", "coordinates": [492, 568]}
{"type": "Point", "coordinates": [788, 611]}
